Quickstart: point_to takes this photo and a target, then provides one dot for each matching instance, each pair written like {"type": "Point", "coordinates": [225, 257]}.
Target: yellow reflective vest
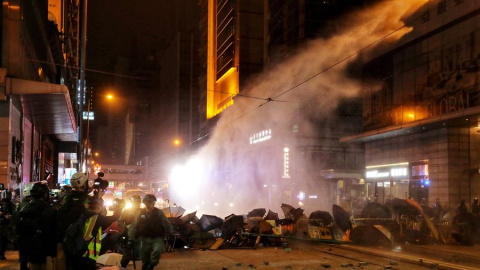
{"type": "Point", "coordinates": [96, 242]}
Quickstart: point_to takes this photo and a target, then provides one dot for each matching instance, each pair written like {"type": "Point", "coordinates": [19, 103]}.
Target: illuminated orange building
{"type": "Point", "coordinates": [235, 49]}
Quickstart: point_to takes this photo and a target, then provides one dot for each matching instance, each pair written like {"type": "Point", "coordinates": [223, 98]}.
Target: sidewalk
{"type": "Point", "coordinates": [12, 261]}
{"type": "Point", "coordinates": [468, 256]}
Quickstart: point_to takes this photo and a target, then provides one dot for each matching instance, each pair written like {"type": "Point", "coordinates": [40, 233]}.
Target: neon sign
{"type": "Point", "coordinates": [286, 163]}
{"type": "Point", "coordinates": [393, 172]}
{"type": "Point", "coordinates": [261, 136]}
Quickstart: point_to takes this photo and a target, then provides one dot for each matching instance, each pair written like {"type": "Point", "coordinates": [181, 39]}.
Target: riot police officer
{"type": "Point", "coordinates": [6, 212]}
{"type": "Point", "coordinates": [475, 207]}
{"type": "Point", "coordinates": [150, 226]}
{"type": "Point", "coordinates": [36, 227]}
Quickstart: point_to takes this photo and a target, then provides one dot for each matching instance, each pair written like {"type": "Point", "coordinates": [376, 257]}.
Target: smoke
{"type": "Point", "coordinates": [230, 175]}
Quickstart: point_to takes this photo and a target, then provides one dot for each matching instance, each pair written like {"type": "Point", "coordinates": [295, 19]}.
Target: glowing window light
{"type": "Point", "coordinates": [286, 163]}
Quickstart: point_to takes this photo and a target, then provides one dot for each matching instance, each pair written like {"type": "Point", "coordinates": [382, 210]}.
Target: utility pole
{"type": "Point", "coordinates": [83, 49]}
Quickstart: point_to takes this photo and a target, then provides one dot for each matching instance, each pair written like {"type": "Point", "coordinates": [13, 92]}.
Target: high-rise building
{"type": "Point", "coordinates": [177, 118]}
{"type": "Point", "coordinates": [126, 65]}
{"type": "Point", "coordinates": [39, 75]}
{"type": "Point", "coordinates": [234, 49]}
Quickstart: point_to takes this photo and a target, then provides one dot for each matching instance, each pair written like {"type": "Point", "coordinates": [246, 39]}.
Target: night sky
{"type": "Point", "coordinates": [112, 25]}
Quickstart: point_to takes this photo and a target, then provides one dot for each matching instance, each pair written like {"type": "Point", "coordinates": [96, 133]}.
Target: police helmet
{"type": "Point", "coordinates": [149, 198]}
{"type": "Point", "coordinates": [78, 180]}
{"type": "Point", "coordinates": [136, 199]}
{"type": "Point", "coordinates": [27, 189]}
{"type": "Point", "coordinates": [40, 189]}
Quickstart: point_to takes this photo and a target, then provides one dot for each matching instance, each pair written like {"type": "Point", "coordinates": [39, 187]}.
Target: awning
{"type": "Point", "coordinates": [47, 105]}
{"type": "Point", "coordinates": [465, 118]}
{"type": "Point", "coordinates": [342, 174]}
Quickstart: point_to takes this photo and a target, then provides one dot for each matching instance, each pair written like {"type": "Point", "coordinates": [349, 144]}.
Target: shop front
{"type": "Point", "coordinates": [387, 181]}
{"type": "Point", "coordinates": [399, 180]}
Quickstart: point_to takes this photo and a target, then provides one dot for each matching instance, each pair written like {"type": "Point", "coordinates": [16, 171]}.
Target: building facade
{"type": "Point", "coordinates": [39, 79]}
{"type": "Point", "coordinates": [421, 122]}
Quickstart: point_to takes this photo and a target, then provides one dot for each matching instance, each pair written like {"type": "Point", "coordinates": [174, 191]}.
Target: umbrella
{"type": "Point", "coordinates": [252, 224]}
{"type": "Point", "coordinates": [259, 212]}
{"type": "Point", "coordinates": [375, 210]}
{"type": "Point", "coordinates": [296, 213]}
{"type": "Point", "coordinates": [322, 215]}
{"type": "Point", "coordinates": [192, 217]}
{"type": "Point", "coordinates": [265, 227]}
{"type": "Point", "coordinates": [229, 216]}
{"type": "Point", "coordinates": [271, 215]}
{"type": "Point", "coordinates": [430, 226]}
{"type": "Point", "coordinates": [404, 207]}
{"type": "Point", "coordinates": [415, 205]}
{"type": "Point", "coordinates": [370, 235]}
{"type": "Point", "coordinates": [110, 259]}
{"type": "Point", "coordinates": [286, 208]}
{"type": "Point", "coordinates": [113, 228]}
{"type": "Point", "coordinates": [209, 222]}
{"type": "Point", "coordinates": [429, 211]}
{"type": "Point", "coordinates": [175, 211]}
{"type": "Point", "coordinates": [342, 218]}
{"type": "Point", "coordinates": [176, 221]}
{"type": "Point", "coordinates": [230, 225]}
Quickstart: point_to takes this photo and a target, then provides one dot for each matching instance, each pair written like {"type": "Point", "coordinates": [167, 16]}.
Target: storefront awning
{"type": "Point", "coordinates": [47, 105]}
{"type": "Point", "coordinates": [342, 174]}
{"type": "Point", "coordinates": [465, 118]}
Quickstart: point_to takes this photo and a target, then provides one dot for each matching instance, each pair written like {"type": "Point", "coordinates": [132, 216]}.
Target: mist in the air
{"type": "Point", "coordinates": [230, 175]}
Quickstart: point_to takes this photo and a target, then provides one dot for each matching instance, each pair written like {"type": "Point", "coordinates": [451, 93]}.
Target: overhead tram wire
{"type": "Point", "coordinates": [78, 68]}
{"type": "Point", "coordinates": [133, 77]}
{"type": "Point", "coordinates": [238, 95]}
{"type": "Point", "coordinates": [339, 62]}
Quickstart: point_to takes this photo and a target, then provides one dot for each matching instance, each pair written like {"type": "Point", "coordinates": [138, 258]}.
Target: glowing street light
{"type": "Point", "coordinates": [176, 142]}
{"type": "Point", "coordinates": [109, 96]}
{"type": "Point", "coordinates": [96, 154]}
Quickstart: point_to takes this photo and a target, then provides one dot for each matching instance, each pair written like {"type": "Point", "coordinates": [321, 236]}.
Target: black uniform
{"type": "Point", "coordinates": [6, 212]}
{"type": "Point", "coordinates": [475, 208]}
{"type": "Point", "coordinates": [36, 230]}
{"type": "Point", "coordinates": [71, 210]}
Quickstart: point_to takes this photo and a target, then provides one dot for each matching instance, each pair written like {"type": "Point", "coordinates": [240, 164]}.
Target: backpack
{"type": "Point", "coordinates": [70, 211]}
{"type": "Point", "coordinates": [74, 243]}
